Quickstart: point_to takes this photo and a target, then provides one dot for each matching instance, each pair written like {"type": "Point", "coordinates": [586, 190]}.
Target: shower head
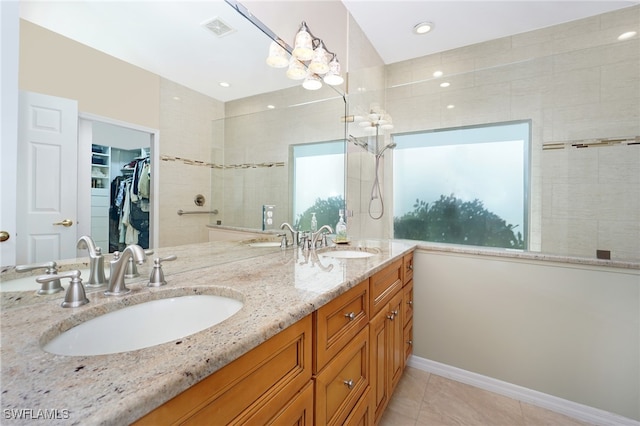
{"type": "Point", "coordinates": [390, 146]}
{"type": "Point", "coordinates": [362, 144]}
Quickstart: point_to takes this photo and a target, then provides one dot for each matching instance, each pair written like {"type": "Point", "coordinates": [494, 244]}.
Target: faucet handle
{"type": "Point", "coordinates": [53, 285]}
{"type": "Point", "coordinates": [75, 295]}
{"type": "Point", "coordinates": [156, 279]}
{"type": "Point", "coordinates": [51, 267]}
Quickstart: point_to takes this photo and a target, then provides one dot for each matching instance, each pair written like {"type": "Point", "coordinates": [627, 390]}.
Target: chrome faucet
{"type": "Point", "coordinates": [318, 233]}
{"type": "Point", "coordinates": [51, 269]}
{"type": "Point", "coordinates": [118, 266]}
{"type": "Point", "coordinates": [75, 295]}
{"type": "Point", "coordinates": [96, 262]}
{"type": "Point", "coordinates": [295, 235]}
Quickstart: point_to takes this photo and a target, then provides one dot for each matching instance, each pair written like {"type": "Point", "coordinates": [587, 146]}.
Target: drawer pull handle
{"type": "Point", "coordinates": [410, 303]}
{"type": "Point", "coordinates": [349, 383]}
{"type": "Point", "coordinates": [409, 342]}
{"type": "Point", "coordinates": [391, 316]}
{"type": "Point", "coordinates": [409, 267]}
{"type": "Point", "coordinates": [350, 315]}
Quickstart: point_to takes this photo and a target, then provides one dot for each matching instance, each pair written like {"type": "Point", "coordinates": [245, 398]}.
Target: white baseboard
{"type": "Point", "coordinates": [568, 408]}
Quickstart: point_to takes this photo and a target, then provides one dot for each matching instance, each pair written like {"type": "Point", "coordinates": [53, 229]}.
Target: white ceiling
{"type": "Point", "coordinates": [167, 37]}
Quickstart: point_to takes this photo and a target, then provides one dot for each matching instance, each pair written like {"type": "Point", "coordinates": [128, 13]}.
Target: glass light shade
{"type": "Point", "coordinates": [387, 126]}
{"type": "Point", "coordinates": [297, 70]}
{"type": "Point", "coordinates": [312, 82]}
{"type": "Point", "coordinates": [319, 63]}
{"type": "Point", "coordinates": [278, 56]}
{"type": "Point", "coordinates": [303, 44]}
{"type": "Point", "coordinates": [333, 77]}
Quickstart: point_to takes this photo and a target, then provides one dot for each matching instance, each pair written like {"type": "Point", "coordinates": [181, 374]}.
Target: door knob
{"type": "Point", "coordinates": [67, 223]}
{"type": "Point", "coordinates": [4, 236]}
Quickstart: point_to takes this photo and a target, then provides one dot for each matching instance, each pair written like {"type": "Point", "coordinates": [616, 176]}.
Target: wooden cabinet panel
{"type": "Point", "coordinates": [407, 268]}
{"type": "Point", "coordinates": [361, 414]}
{"type": "Point", "coordinates": [408, 341]}
{"type": "Point", "coordinates": [379, 359]}
{"type": "Point", "coordinates": [263, 380]}
{"type": "Point", "coordinates": [396, 340]}
{"type": "Point", "coordinates": [384, 285]}
{"type": "Point", "coordinates": [407, 302]}
{"type": "Point", "coordinates": [343, 381]}
{"type": "Point", "coordinates": [387, 352]}
{"type": "Point", "coordinates": [338, 322]}
{"type": "Point", "coordinates": [299, 412]}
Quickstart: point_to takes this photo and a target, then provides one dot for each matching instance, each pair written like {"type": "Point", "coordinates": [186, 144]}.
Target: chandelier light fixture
{"type": "Point", "coordinates": [376, 119]}
{"type": "Point", "coordinates": [310, 60]}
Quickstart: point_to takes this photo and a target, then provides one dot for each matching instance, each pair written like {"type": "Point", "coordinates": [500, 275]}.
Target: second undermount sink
{"type": "Point", "coordinates": [144, 325]}
{"type": "Point", "coordinates": [265, 244]}
{"type": "Point", "coordinates": [349, 253]}
{"type": "Point", "coordinates": [29, 283]}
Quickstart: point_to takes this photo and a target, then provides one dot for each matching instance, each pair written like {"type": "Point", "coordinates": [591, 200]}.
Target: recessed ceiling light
{"type": "Point", "coordinates": [438, 74]}
{"type": "Point", "coordinates": [224, 84]}
{"type": "Point", "coordinates": [176, 98]}
{"type": "Point", "coordinates": [271, 106]}
{"type": "Point", "coordinates": [451, 106]}
{"type": "Point", "coordinates": [423, 27]}
{"type": "Point", "coordinates": [445, 84]}
{"type": "Point", "coordinates": [627, 35]}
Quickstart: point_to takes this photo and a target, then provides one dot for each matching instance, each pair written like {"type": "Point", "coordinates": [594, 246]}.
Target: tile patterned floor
{"type": "Point", "coordinates": [422, 398]}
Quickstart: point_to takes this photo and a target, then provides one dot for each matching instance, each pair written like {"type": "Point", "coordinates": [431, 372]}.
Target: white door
{"type": "Point", "coordinates": [47, 178]}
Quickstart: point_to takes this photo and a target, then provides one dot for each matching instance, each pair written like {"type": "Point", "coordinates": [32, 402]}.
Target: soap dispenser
{"type": "Point", "coordinates": [341, 229]}
{"type": "Point", "coordinates": [314, 223]}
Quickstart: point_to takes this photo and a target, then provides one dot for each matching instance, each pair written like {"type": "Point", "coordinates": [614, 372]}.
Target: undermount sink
{"type": "Point", "coordinates": [348, 254]}
{"type": "Point", "coordinates": [29, 283]}
{"type": "Point", "coordinates": [144, 325]}
{"type": "Point", "coordinates": [265, 244]}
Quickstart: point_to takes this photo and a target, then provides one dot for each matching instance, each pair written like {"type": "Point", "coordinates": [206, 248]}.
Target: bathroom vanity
{"type": "Point", "coordinates": [320, 340]}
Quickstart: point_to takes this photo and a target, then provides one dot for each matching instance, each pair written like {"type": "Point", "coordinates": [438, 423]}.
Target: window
{"type": "Point", "coordinates": [463, 186]}
{"type": "Point", "coordinates": [318, 183]}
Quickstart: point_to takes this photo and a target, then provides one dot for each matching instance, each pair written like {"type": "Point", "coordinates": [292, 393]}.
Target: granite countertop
{"type": "Point", "coordinates": [278, 288]}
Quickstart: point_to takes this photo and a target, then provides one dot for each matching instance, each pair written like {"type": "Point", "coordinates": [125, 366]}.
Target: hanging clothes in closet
{"type": "Point", "coordinates": [130, 206]}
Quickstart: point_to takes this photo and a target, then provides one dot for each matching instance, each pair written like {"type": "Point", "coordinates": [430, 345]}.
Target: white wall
{"type": "Point", "coordinates": [571, 331]}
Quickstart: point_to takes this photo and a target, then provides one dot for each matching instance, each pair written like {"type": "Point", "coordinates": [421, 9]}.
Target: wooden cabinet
{"type": "Point", "coordinates": [338, 366]}
{"type": "Point", "coordinates": [342, 383]}
{"type": "Point", "coordinates": [407, 303]}
{"type": "Point", "coordinates": [387, 353]}
{"type": "Point", "coordinates": [338, 322]}
{"type": "Point", "coordinates": [384, 285]}
{"type": "Point", "coordinates": [259, 385]}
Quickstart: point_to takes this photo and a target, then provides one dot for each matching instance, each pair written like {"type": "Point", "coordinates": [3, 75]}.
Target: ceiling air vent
{"type": "Point", "coordinates": [218, 27]}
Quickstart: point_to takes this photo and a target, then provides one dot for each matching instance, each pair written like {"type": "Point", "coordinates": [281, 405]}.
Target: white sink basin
{"type": "Point", "coordinates": [30, 284]}
{"type": "Point", "coordinates": [347, 254]}
{"type": "Point", "coordinates": [144, 325]}
{"type": "Point", "coordinates": [265, 244]}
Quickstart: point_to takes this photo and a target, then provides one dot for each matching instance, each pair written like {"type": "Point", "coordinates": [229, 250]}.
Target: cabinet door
{"type": "Point", "coordinates": [407, 302]}
{"type": "Point", "coordinates": [396, 341]}
{"type": "Point", "coordinates": [379, 359]}
{"type": "Point", "coordinates": [408, 341]}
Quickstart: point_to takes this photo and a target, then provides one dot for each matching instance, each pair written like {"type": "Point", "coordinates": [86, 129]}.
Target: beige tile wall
{"type": "Point", "coordinates": [574, 81]}
{"type": "Point", "coordinates": [186, 128]}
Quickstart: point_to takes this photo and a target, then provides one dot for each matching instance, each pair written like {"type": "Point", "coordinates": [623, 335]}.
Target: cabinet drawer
{"type": "Point", "coordinates": [407, 301]}
{"type": "Point", "coordinates": [408, 341]}
{"type": "Point", "coordinates": [298, 412]}
{"type": "Point", "coordinates": [344, 380]}
{"type": "Point", "coordinates": [339, 321]}
{"type": "Point", "coordinates": [263, 380]}
{"type": "Point", "coordinates": [361, 414]}
{"type": "Point", "coordinates": [384, 285]}
{"type": "Point", "coordinates": [407, 268]}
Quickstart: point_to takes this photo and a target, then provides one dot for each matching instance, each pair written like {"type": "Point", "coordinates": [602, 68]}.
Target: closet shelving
{"type": "Point", "coordinates": [100, 167]}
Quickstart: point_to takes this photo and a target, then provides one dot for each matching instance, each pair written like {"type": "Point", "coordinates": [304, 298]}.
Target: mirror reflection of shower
{"type": "Point", "coordinates": [374, 123]}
